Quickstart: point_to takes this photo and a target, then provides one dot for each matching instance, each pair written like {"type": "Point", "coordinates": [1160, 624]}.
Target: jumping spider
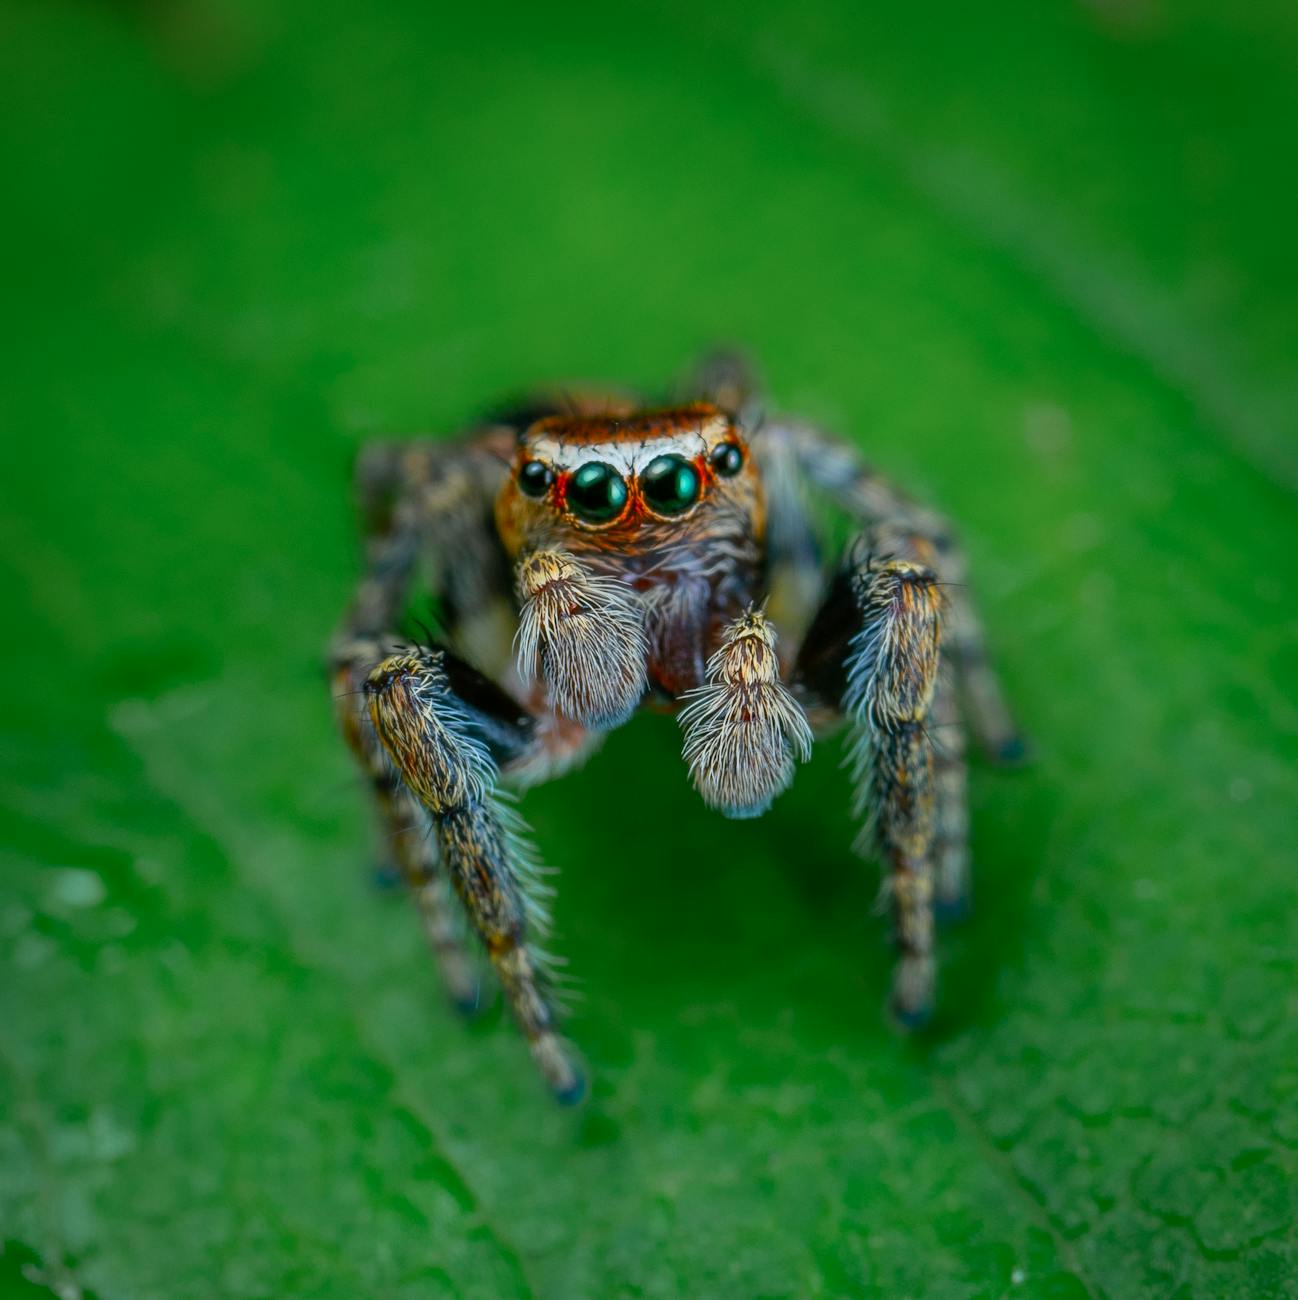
{"type": "Point", "coordinates": [591, 556]}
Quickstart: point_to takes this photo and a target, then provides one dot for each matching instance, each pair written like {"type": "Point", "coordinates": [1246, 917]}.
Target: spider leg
{"type": "Point", "coordinates": [409, 835]}
{"type": "Point", "coordinates": [873, 652]}
{"type": "Point", "coordinates": [837, 469]}
{"type": "Point", "coordinates": [443, 729]}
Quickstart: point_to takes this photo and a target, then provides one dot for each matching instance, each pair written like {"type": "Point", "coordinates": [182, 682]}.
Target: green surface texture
{"type": "Point", "coordinates": [1038, 260]}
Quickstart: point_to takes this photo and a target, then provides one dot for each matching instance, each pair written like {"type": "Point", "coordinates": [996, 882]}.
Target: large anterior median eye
{"type": "Point", "coordinates": [669, 485]}
{"type": "Point", "coordinates": [596, 493]}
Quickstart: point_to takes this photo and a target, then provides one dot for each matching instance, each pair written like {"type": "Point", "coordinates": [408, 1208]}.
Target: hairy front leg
{"type": "Point", "coordinates": [407, 835]}
{"type": "Point", "coordinates": [874, 652]}
{"type": "Point", "coordinates": [436, 739]}
{"type": "Point", "coordinates": [891, 679]}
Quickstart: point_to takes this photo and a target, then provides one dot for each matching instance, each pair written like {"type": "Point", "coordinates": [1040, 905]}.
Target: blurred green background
{"type": "Point", "coordinates": [1038, 260]}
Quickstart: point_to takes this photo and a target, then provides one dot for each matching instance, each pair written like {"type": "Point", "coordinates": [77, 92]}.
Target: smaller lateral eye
{"type": "Point", "coordinates": [534, 478]}
{"type": "Point", "coordinates": [727, 459]}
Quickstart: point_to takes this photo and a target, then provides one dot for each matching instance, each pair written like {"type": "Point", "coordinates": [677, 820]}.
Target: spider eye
{"type": "Point", "coordinates": [727, 459]}
{"type": "Point", "coordinates": [597, 493]}
{"type": "Point", "coordinates": [534, 478]}
{"type": "Point", "coordinates": [669, 484]}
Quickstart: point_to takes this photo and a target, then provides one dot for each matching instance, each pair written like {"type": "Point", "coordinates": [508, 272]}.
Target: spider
{"type": "Point", "coordinates": [593, 555]}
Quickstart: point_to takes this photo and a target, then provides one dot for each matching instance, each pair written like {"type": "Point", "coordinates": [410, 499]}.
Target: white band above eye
{"type": "Point", "coordinates": [627, 457]}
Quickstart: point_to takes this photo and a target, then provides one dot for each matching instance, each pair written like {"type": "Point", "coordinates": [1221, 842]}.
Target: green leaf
{"type": "Point", "coordinates": [1039, 264]}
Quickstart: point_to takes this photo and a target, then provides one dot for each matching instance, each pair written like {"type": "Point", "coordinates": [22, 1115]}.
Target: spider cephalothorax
{"type": "Point", "coordinates": [595, 556]}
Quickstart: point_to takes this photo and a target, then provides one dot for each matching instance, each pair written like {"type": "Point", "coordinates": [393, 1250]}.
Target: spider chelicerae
{"type": "Point", "coordinates": [592, 555]}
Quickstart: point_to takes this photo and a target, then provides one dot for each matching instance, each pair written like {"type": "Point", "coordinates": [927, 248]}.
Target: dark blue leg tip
{"type": "Point", "coordinates": [912, 1017]}
{"type": "Point", "coordinates": [386, 877]}
{"type": "Point", "coordinates": [1013, 749]}
{"type": "Point", "coordinates": [468, 1005]}
{"type": "Point", "coordinates": [574, 1093]}
{"type": "Point", "coordinates": [950, 910]}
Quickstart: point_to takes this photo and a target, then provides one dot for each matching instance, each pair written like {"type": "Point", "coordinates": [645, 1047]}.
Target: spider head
{"type": "Point", "coordinates": [645, 482]}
